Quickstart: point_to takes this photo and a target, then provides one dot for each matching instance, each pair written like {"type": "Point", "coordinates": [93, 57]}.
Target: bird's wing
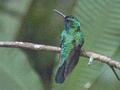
{"type": "Point", "coordinates": [61, 46]}
{"type": "Point", "coordinates": [60, 72]}
{"type": "Point", "coordinates": [73, 58]}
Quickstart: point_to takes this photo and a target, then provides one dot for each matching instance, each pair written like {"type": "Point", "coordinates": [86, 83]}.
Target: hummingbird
{"type": "Point", "coordinates": [72, 40]}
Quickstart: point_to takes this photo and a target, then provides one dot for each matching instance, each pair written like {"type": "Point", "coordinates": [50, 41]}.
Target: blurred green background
{"type": "Point", "coordinates": [34, 21]}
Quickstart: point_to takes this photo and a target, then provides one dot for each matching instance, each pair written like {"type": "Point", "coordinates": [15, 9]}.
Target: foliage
{"type": "Point", "coordinates": [35, 21]}
{"type": "Point", "coordinates": [15, 70]}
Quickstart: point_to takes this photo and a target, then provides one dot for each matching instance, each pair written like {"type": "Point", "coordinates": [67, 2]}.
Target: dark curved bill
{"type": "Point", "coordinates": [60, 13]}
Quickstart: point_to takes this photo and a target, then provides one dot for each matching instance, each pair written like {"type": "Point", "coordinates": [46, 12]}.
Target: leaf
{"type": "Point", "coordinates": [15, 70]}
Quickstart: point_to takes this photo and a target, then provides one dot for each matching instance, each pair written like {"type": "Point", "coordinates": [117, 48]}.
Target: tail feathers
{"type": "Point", "coordinates": [60, 74]}
{"type": "Point", "coordinates": [68, 65]}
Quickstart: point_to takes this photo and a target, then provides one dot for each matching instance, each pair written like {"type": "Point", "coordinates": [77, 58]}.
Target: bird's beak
{"type": "Point", "coordinates": [60, 13]}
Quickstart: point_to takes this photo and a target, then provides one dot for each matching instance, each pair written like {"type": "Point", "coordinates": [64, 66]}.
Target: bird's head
{"type": "Point", "coordinates": [71, 22]}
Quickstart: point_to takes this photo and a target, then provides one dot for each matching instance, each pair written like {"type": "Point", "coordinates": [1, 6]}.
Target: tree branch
{"type": "Point", "coordinates": [32, 46]}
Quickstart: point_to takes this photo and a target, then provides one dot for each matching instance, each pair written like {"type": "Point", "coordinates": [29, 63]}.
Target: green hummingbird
{"type": "Point", "coordinates": [72, 39]}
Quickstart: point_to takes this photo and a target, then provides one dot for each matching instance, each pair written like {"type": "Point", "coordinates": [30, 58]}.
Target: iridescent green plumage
{"type": "Point", "coordinates": [72, 40]}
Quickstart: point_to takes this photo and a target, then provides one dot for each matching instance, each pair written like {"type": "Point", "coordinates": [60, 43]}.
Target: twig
{"type": "Point", "coordinates": [32, 46]}
{"type": "Point", "coordinates": [115, 73]}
